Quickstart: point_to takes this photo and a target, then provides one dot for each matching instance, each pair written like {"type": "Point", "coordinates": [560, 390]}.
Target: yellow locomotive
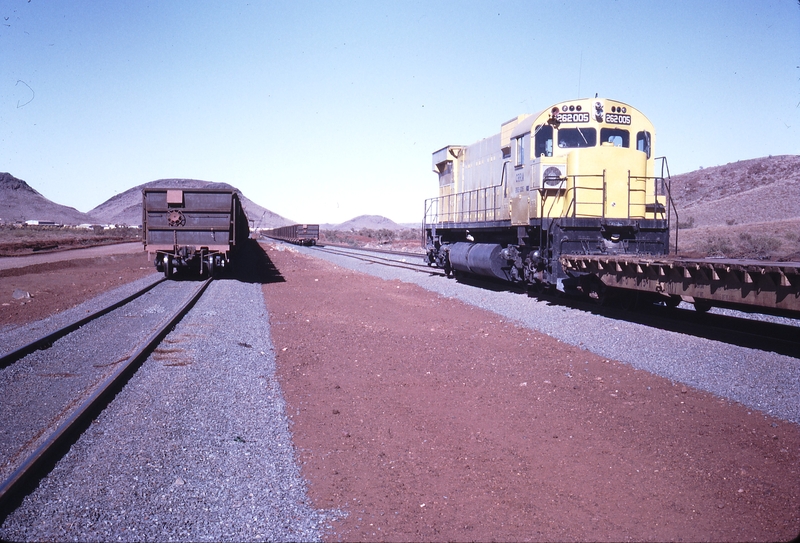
{"type": "Point", "coordinates": [577, 178]}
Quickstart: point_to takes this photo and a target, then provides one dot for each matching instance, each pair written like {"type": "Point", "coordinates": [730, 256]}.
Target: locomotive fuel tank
{"type": "Point", "coordinates": [477, 259]}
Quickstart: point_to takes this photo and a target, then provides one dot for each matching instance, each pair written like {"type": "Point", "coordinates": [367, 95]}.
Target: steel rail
{"type": "Point", "coordinates": [46, 341]}
{"type": "Point", "coordinates": [371, 250]}
{"type": "Point", "coordinates": [13, 489]}
{"type": "Point", "coordinates": [423, 268]}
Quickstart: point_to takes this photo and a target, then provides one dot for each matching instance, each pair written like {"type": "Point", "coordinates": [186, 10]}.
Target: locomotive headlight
{"type": "Point", "coordinates": [598, 111]}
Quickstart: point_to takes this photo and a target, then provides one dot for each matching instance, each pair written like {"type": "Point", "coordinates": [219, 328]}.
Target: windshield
{"type": "Point", "coordinates": [618, 136]}
{"type": "Point", "coordinates": [577, 137]}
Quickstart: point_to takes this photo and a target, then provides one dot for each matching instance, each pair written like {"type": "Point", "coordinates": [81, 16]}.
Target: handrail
{"type": "Point", "coordinates": [575, 202]}
{"type": "Point", "coordinates": [485, 203]}
{"type": "Point", "coordinates": [454, 207]}
{"type": "Point", "coordinates": [672, 206]}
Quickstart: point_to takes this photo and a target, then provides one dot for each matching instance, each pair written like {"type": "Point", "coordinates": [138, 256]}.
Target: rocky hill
{"type": "Point", "coordinates": [20, 202]}
{"type": "Point", "coordinates": [369, 222]}
{"type": "Point", "coordinates": [749, 208]}
{"type": "Point", "coordinates": [126, 208]}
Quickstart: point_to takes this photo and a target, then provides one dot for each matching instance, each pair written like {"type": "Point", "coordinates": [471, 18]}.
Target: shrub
{"type": "Point", "coordinates": [718, 246]}
{"type": "Point", "coordinates": [758, 246]}
{"type": "Point", "coordinates": [381, 236]}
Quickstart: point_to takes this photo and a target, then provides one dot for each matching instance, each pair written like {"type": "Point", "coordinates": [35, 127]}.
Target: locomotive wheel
{"type": "Point", "coordinates": [536, 288]}
{"type": "Point", "coordinates": [602, 298]}
{"type": "Point", "coordinates": [701, 306]}
{"type": "Point", "coordinates": [630, 301]}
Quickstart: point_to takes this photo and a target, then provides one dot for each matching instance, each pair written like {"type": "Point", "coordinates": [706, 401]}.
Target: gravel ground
{"type": "Point", "coordinates": [48, 384]}
{"type": "Point", "coordinates": [196, 447]}
{"type": "Point", "coordinates": [765, 381]}
{"type": "Point", "coordinates": [13, 337]}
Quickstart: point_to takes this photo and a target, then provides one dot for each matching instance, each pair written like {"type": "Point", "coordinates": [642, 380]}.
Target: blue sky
{"type": "Point", "coordinates": [322, 111]}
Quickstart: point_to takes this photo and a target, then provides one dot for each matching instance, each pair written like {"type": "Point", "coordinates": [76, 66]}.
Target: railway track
{"type": "Point", "coordinates": [81, 367]}
{"type": "Point", "coordinates": [47, 340]}
{"type": "Point", "coordinates": [395, 259]}
{"type": "Point", "coordinates": [750, 330]}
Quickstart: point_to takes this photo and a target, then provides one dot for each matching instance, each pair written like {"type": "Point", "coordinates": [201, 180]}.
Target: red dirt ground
{"type": "Point", "coordinates": [430, 420]}
{"type": "Point", "coordinates": [426, 419]}
{"type": "Point", "coordinates": [59, 285]}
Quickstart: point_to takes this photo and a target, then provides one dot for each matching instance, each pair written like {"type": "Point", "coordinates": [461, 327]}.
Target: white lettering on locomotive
{"type": "Point", "coordinates": [582, 117]}
{"type": "Point", "coordinates": [614, 118]}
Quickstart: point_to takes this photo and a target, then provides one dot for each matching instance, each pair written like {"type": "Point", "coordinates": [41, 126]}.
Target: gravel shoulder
{"type": "Point", "coordinates": [195, 448]}
{"type": "Point", "coordinates": [444, 415]}
{"type": "Point", "coordinates": [766, 381]}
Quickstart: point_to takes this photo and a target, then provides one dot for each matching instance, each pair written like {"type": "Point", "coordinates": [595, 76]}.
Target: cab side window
{"type": "Point", "coordinates": [543, 143]}
{"type": "Point", "coordinates": [643, 142]}
{"type": "Point", "coordinates": [520, 150]}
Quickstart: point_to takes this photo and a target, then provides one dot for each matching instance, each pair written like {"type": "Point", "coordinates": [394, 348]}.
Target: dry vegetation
{"type": "Point", "coordinates": [405, 239]}
{"type": "Point", "coordinates": [746, 209]}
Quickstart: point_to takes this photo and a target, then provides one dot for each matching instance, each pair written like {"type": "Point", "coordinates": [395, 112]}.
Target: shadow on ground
{"type": "Point", "coordinates": [252, 265]}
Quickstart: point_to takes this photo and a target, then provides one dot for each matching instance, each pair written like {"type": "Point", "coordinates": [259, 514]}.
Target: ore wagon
{"type": "Point", "coordinates": [301, 234]}
{"type": "Point", "coordinates": [193, 230]}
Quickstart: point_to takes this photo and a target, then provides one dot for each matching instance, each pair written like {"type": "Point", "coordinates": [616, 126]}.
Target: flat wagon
{"type": "Point", "coordinates": [193, 230]}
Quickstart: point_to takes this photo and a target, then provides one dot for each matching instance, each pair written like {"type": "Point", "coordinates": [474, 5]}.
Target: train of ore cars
{"type": "Point", "coordinates": [300, 234]}
{"type": "Point", "coordinates": [573, 199]}
{"type": "Point", "coordinates": [193, 230]}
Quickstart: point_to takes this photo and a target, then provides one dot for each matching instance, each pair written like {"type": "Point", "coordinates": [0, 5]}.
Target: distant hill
{"type": "Point", "coordinates": [126, 207]}
{"type": "Point", "coordinates": [370, 222]}
{"type": "Point", "coordinates": [749, 208]}
{"type": "Point", "coordinates": [19, 202]}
